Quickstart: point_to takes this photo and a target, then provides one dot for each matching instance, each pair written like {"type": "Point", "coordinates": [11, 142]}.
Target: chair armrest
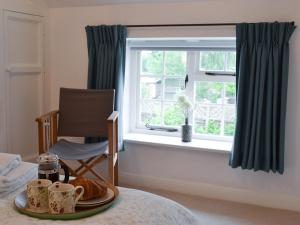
{"type": "Point", "coordinates": [46, 116]}
{"type": "Point", "coordinates": [47, 130]}
{"type": "Point", "coordinates": [113, 117]}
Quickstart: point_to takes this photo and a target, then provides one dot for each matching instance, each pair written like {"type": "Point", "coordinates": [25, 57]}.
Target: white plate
{"type": "Point", "coordinates": [97, 201]}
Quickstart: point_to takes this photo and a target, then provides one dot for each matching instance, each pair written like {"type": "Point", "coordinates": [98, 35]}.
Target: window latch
{"type": "Point", "coordinates": [186, 80]}
{"type": "Point", "coordinates": [219, 74]}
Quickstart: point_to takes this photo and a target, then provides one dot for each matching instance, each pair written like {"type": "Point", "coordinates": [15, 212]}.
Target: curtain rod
{"type": "Point", "coordinates": [183, 25]}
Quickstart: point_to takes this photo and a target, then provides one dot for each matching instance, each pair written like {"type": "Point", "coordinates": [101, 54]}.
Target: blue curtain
{"type": "Point", "coordinates": [262, 81]}
{"type": "Point", "coordinates": [106, 67]}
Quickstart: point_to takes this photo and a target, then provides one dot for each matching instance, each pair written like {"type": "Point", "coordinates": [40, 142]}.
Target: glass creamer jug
{"type": "Point", "coordinates": [49, 168]}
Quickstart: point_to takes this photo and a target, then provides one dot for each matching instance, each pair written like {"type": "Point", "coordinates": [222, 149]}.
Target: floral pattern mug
{"type": "Point", "coordinates": [62, 197]}
{"type": "Point", "coordinates": [37, 195]}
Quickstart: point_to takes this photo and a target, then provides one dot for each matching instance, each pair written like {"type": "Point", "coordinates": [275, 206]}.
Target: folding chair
{"type": "Point", "coordinates": [82, 113]}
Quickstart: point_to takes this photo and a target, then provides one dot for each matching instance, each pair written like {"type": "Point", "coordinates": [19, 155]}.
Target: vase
{"type": "Point", "coordinates": [186, 133]}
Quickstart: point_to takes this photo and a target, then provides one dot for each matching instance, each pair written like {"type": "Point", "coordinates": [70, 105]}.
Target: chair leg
{"type": "Point", "coordinates": [116, 173]}
{"type": "Point", "coordinates": [88, 167]}
{"type": "Point", "coordinates": [82, 165]}
{"type": "Point", "coordinates": [111, 170]}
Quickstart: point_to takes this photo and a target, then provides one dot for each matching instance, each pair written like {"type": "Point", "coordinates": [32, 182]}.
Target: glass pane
{"type": "Point", "coordinates": [201, 112]}
{"type": "Point", "coordinates": [212, 61]}
{"type": "Point", "coordinates": [230, 93]}
{"type": "Point", "coordinates": [201, 127]}
{"type": "Point", "coordinates": [150, 88]}
{"type": "Point", "coordinates": [231, 63]}
{"type": "Point", "coordinates": [150, 112]}
{"type": "Point", "coordinates": [229, 128]}
{"type": "Point", "coordinates": [209, 92]}
{"type": "Point", "coordinates": [152, 62]}
{"type": "Point", "coordinates": [215, 119]}
{"type": "Point", "coordinates": [173, 115]}
{"type": "Point", "coordinates": [175, 63]}
{"type": "Point", "coordinates": [229, 121]}
{"type": "Point", "coordinates": [215, 112]}
{"type": "Point", "coordinates": [173, 88]}
{"type": "Point", "coordinates": [210, 127]}
{"type": "Point", "coordinates": [229, 114]}
{"type": "Point", "coordinates": [214, 127]}
{"type": "Point", "coordinates": [201, 119]}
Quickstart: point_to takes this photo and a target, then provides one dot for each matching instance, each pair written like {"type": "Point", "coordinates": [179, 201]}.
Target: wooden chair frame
{"type": "Point", "coordinates": [47, 132]}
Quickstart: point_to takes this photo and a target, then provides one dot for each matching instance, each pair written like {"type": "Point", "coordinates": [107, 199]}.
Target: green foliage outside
{"type": "Point", "coordinates": [152, 62]}
{"type": "Point", "coordinates": [212, 61]}
{"type": "Point", "coordinates": [231, 61]}
{"type": "Point", "coordinates": [152, 119]}
{"type": "Point", "coordinates": [214, 128]}
{"type": "Point", "coordinates": [230, 90]}
{"type": "Point", "coordinates": [215, 61]}
{"type": "Point", "coordinates": [211, 91]}
{"type": "Point", "coordinates": [145, 90]}
{"type": "Point", "coordinates": [173, 115]}
{"type": "Point", "coordinates": [175, 63]}
{"type": "Point", "coordinates": [229, 129]}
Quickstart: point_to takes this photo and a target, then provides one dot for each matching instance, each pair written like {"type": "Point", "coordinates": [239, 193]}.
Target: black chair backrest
{"type": "Point", "coordinates": [84, 113]}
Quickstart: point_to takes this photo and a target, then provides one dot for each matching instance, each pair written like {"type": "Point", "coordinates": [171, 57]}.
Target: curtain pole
{"type": "Point", "coordinates": [182, 25]}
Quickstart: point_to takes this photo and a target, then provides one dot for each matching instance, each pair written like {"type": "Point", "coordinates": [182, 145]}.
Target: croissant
{"type": "Point", "coordinates": [92, 188]}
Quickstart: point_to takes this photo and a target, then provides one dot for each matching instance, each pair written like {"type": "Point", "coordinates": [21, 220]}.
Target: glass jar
{"type": "Point", "coordinates": [49, 168]}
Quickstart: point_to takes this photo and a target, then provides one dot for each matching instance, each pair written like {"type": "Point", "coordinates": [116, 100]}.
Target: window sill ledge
{"type": "Point", "coordinates": [175, 142]}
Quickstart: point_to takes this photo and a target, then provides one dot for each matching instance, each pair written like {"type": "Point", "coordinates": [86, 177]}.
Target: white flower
{"type": "Point", "coordinates": [185, 104]}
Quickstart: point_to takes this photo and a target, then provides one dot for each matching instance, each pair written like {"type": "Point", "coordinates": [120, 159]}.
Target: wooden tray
{"type": "Point", "coordinates": [21, 204]}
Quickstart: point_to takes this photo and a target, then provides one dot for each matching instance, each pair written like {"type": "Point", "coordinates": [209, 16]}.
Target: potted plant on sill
{"type": "Point", "coordinates": [186, 129]}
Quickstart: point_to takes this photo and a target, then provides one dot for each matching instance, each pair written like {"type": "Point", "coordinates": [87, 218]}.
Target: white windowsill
{"type": "Point", "coordinates": [175, 142]}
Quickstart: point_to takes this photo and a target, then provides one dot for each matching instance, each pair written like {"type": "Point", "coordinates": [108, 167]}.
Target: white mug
{"type": "Point", "coordinates": [37, 195]}
{"type": "Point", "coordinates": [62, 198]}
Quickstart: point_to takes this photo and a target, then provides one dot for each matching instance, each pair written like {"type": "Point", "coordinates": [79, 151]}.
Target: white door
{"type": "Point", "coordinates": [23, 59]}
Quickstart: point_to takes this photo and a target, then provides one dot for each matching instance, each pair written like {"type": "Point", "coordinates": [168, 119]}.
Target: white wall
{"type": "Point", "coordinates": [201, 173]}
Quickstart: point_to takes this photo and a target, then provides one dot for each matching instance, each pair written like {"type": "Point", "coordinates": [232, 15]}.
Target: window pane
{"type": "Point", "coordinates": [150, 112]}
{"type": "Point", "coordinates": [175, 63]}
{"type": "Point", "coordinates": [173, 88]}
{"type": "Point", "coordinates": [229, 121]}
{"type": "Point", "coordinates": [231, 63]}
{"type": "Point", "coordinates": [150, 88]}
{"type": "Point", "coordinates": [209, 92]}
{"type": "Point", "coordinates": [212, 61]}
{"type": "Point", "coordinates": [152, 62]}
{"type": "Point", "coordinates": [173, 115]}
{"type": "Point", "coordinates": [201, 127]}
{"type": "Point", "coordinates": [229, 128]}
{"type": "Point", "coordinates": [214, 127]}
{"type": "Point", "coordinates": [215, 112]}
{"type": "Point", "coordinates": [230, 93]}
{"type": "Point", "coordinates": [210, 127]}
{"type": "Point", "coordinates": [201, 119]}
{"type": "Point", "coordinates": [208, 119]}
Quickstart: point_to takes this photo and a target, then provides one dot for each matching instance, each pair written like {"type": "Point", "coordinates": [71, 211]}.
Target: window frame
{"type": "Point", "coordinates": [195, 74]}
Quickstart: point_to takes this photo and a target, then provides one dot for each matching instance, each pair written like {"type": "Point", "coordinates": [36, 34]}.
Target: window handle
{"type": "Point", "coordinates": [186, 80]}
{"type": "Point", "coordinates": [219, 74]}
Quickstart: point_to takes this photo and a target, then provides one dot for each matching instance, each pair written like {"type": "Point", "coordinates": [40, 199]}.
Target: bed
{"type": "Point", "coordinates": [134, 207]}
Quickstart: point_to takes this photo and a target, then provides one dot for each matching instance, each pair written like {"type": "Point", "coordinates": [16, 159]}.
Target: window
{"type": "Point", "coordinates": [159, 74]}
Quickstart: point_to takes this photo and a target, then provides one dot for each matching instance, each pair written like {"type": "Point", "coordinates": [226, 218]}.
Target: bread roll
{"type": "Point", "coordinates": [92, 188]}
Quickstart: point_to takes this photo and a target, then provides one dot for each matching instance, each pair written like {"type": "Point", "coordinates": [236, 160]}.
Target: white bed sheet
{"type": "Point", "coordinates": [134, 207]}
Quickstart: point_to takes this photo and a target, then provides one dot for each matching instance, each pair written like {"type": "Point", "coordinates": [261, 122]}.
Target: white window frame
{"type": "Point", "coordinates": [192, 69]}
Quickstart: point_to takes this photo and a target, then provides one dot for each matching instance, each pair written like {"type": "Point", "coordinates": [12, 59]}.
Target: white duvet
{"type": "Point", "coordinates": [133, 208]}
